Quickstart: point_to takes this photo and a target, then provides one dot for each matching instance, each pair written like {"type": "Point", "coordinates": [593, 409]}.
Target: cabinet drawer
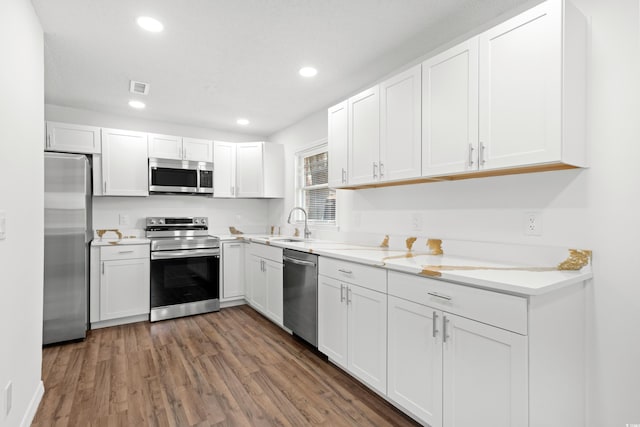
{"type": "Point", "coordinates": [265, 251]}
{"type": "Point", "coordinates": [494, 308]}
{"type": "Point", "coordinates": [363, 275]}
{"type": "Point", "coordinates": [123, 252]}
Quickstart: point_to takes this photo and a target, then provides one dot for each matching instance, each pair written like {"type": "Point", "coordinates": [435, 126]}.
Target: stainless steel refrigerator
{"type": "Point", "coordinates": [67, 233]}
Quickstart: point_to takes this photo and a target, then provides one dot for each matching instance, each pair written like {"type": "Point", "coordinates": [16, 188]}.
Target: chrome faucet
{"type": "Point", "coordinates": [307, 233]}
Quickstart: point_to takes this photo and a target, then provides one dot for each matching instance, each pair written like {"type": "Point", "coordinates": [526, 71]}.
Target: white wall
{"type": "Point", "coordinates": [596, 208]}
{"type": "Point", "coordinates": [21, 197]}
{"type": "Point", "coordinates": [248, 215]}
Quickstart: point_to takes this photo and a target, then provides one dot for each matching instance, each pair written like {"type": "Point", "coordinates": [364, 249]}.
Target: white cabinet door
{"type": "Point", "coordinates": [450, 111]}
{"type": "Point", "coordinates": [233, 270]}
{"type": "Point", "coordinates": [367, 336]}
{"type": "Point", "coordinates": [485, 375]}
{"type": "Point", "coordinates": [165, 147]}
{"type": "Point", "coordinates": [249, 169]}
{"type": "Point", "coordinates": [415, 359]}
{"type": "Point", "coordinates": [224, 169]}
{"type": "Point", "coordinates": [125, 170]}
{"type": "Point", "coordinates": [197, 150]}
{"type": "Point", "coordinates": [400, 124]}
{"type": "Point", "coordinates": [124, 288]}
{"type": "Point", "coordinates": [364, 137]}
{"type": "Point", "coordinates": [273, 272]}
{"type": "Point", "coordinates": [258, 284]}
{"type": "Point", "coordinates": [338, 137]}
{"type": "Point", "coordinates": [72, 138]}
{"type": "Point", "coordinates": [520, 89]}
{"type": "Point", "coordinates": [332, 320]}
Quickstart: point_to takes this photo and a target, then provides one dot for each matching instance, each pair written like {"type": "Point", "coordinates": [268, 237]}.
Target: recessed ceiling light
{"type": "Point", "coordinates": [137, 104]}
{"type": "Point", "coordinates": [308, 71]}
{"type": "Point", "coordinates": [242, 122]}
{"type": "Point", "coordinates": [150, 24]}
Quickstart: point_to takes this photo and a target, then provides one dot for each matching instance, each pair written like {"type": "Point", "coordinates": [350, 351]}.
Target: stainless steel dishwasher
{"type": "Point", "coordinates": [300, 304]}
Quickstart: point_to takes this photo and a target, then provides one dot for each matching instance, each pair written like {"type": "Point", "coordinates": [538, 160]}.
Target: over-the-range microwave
{"type": "Point", "coordinates": [180, 176]}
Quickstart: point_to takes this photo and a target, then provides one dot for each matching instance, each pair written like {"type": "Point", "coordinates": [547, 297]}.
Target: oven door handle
{"type": "Point", "coordinates": [191, 253]}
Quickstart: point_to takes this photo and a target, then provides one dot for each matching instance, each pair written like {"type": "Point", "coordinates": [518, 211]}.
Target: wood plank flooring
{"type": "Point", "coordinates": [231, 368]}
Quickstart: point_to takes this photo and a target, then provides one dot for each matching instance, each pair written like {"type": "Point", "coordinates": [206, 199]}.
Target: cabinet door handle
{"type": "Point", "coordinates": [103, 268]}
{"type": "Point", "coordinates": [434, 328]}
{"type": "Point", "coordinates": [445, 297]}
{"type": "Point", "coordinates": [232, 190]}
{"type": "Point", "coordinates": [483, 148]}
{"type": "Point", "coordinates": [375, 170]}
{"type": "Point", "coordinates": [348, 295]}
{"type": "Point", "coordinates": [471, 149]}
{"type": "Point", "coordinates": [381, 170]}
{"type": "Point", "coordinates": [341, 292]}
{"type": "Point", "coordinates": [344, 176]}
{"type": "Point", "coordinates": [48, 140]}
{"type": "Point", "coordinates": [445, 333]}
{"type": "Point", "coordinates": [105, 187]}
{"type": "Point", "coordinates": [345, 271]}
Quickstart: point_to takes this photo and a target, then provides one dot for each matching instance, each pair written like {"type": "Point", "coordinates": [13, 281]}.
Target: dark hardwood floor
{"type": "Point", "coordinates": [231, 368]}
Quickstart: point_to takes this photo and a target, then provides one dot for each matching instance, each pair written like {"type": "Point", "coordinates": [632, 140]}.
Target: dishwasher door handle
{"type": "Point", "coordinates": [298, 261]}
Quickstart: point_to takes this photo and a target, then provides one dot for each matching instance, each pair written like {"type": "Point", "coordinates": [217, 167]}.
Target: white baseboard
{"type": "Point", "coordinates": [33, 406]}
{"type": "Point", "coordinates": [232, 303]}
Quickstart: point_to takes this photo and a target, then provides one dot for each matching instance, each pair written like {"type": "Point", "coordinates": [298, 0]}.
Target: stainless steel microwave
{"type": "Point", "coordinates": [180, 176]}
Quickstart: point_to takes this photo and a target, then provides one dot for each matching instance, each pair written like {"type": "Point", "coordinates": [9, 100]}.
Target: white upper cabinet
{"type": "Point", "coordinates": [179, 148]}
{"type": "Point", "coordinates": [248, 170]}
{"type": "Point", "coordinates": [364, 136]}
{"type": "Point", "coordinates": [125, 169]}
{"type": "Point", "coordinates": [71, 138]}
{"type": "Point", "coordinates": [224, 169]}
{"type": "Point", "coordinates": [450, 111]}
{"type": "Point", "coordinates": [197, 150]}
{"type": "Point", "coordinates": [165, 146]}
{"type": "Point", "coordinates": [531, 96]}
{"type": "Point", "coordinates": [400, 145]}
{"type": "Point", "coordinates": [338, 137]}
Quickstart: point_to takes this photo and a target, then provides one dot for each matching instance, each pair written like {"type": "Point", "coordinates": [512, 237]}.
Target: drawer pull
{"type": "Point", "coordinates": [126, 252]}
{"type": "Point", "coordinates": [345, 271]}
{"type": "Point", "coordinates": [433, 294]}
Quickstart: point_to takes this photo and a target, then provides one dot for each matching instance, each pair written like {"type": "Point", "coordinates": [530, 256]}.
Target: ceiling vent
{"type": "Point", "coordinates": [139, 88]}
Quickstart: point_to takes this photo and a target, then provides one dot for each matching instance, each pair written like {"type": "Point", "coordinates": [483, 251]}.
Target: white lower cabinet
{"type": "Point", "coordinates": [415, 360]}
{"type": "Point", "coordinates": [120, 284]}
{"type": "Point", "coordinates": [265, 286]}
{"type": "Point", "coordinates": [484, 376]}
{"type": "Point", "coordinates": [447, 370]}
{"type": "Point", "coordinates": [352, 320]}
{"type": "Point", "coordinates": [232, 278]}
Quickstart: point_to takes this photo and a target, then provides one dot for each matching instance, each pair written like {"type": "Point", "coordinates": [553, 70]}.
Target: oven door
{"type": "Point", "coordinates": [184, 282]}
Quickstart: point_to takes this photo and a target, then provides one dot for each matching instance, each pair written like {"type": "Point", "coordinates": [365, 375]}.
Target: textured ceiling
{"type": "Point", "coordinates": [218, 60]}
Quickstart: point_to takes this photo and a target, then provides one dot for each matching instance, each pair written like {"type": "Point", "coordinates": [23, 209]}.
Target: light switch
{"type": "Point", "coordinates": [3, 225]}
{"type": "Point", "coordinates": [124, 219]}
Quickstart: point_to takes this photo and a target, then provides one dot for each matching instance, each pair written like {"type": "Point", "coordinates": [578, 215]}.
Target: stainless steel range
{"type": "Point", "coordinates": [185, 265]}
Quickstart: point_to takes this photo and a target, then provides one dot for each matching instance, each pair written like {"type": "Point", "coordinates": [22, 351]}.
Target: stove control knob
{"type": "Point", "coordinates": [196, 221]}
{"type": "Point", "coordinates": [152, 221]}
{"type": "Point", "coordinates": [161, 221]}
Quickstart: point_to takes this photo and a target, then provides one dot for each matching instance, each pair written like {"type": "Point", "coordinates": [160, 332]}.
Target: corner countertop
{"type": "Point", "coordinates": [517, 278]}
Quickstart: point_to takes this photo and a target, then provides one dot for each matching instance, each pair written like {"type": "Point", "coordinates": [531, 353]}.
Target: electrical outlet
{"type": "Point", "coordinates": [8, 391]}
{"type": "Point", "coordinates": [416, 222]}
{"type": "Point", "coordinates": [533, 224]}
{"type": "Point", "coordinates": [124, 219]}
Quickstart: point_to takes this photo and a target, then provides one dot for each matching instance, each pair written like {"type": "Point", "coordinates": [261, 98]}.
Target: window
{"type": "Point", "coordinates": [312, 186]}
